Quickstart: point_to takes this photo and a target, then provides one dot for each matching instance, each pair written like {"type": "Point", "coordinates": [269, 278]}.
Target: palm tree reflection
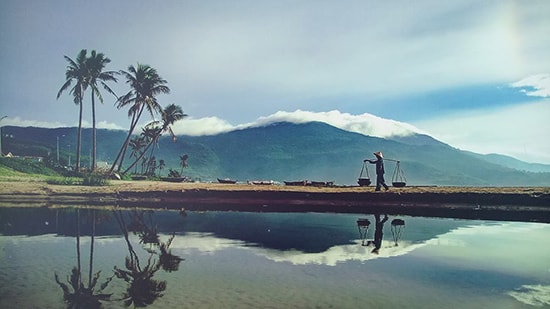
{"type": "Point", "coordinates": [75, 293]}
{"type": "Point", "coordinates": [143, 289]}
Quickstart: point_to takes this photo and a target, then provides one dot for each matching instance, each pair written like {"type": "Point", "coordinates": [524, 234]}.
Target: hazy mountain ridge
{"type": "Point", "coordinates": [287, 151]}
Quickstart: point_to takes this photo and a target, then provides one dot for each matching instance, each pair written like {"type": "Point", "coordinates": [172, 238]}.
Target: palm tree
{"type": "Point", "coordinates": [170, 115]}
{"type": "Point", "coordinates": [136, 145]}
{"type": "Point", "coordinates": [95, 64]}
{"type": "Point", "coordinates": [76, 72]}
{"type": "Point", "coordinates": [162, 164]}
{"type": "Point", "coordinates": [183, 162]}
{"type": "Point", "coordinates": [145, 84]}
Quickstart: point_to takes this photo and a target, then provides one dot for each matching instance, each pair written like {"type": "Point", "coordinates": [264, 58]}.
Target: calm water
{"type": "Point", "coordinates": [165, 259]}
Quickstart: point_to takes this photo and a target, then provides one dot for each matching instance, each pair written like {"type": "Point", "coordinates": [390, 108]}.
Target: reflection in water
{"type": "Point", "coordinates": [378, 232]}
{"type": "Point", "coordinates": [142, 288]}
{"type": "Point", "coordinates": [397, 227]}
{"type": "Point", "coordinates": [363, 225]}
{"type": "Point", "coordinates": [258, 260]}
{"type": "Point", "coordinates": [82, 296]}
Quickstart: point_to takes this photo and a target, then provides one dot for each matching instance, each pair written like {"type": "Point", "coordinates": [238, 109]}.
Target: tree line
{"type": "Point", "coordinates": [88, 73]}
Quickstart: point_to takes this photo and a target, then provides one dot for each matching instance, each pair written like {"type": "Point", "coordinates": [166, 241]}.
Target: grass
{"type": "Point", "coordinates": [65, 181]}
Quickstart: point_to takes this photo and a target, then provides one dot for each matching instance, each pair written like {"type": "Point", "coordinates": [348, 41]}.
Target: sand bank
{"type": "Point", "coordinates": [519, 203]}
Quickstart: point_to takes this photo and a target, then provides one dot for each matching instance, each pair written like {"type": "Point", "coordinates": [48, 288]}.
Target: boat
{"type": "Point", "coordinates": [296, 183]}
{"type": "Point", "coordinates": [321, 183]}
{"type": "Point", "coordinates": [261, 182]}
{"type": "Point", "coordinates": [173, 179]}
{"type": "Point", "coordinates": [227, 180]}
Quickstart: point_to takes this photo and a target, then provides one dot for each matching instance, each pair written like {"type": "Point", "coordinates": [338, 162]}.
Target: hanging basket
{"type": "Point", "coordinates": [364, 179]}
{"type": "Point", "coordinates": [398, 178]}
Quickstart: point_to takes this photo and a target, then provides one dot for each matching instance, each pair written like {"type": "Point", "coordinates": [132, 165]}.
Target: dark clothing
{"type": "Point", "coordinates": [380, 182]}
{"type": "Point", "coordinates": [379, 165]}
{"type": "Point", "coordinates": [379, 231]}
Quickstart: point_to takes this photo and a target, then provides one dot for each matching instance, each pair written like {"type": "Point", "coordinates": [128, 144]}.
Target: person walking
{"type": "Point", "coordinates": [380, 182]}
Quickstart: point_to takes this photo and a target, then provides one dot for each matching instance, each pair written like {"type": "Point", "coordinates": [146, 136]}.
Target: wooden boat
{"type": "Point", "coordinates": [321, 183]}
{"type": "Point", "coordinates": [227, 180]}
{"type": "Point", "coordinates": [296, 183]}
{"type": "Point", "coordinates": [173, 179]}
{"type": "Point", "coordinates": [261, 182]}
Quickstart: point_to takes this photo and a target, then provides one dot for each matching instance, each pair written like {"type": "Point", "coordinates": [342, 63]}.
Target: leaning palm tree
{"type": "Point", "coordinates": [145, 84]}
{"type": "Point", "coordinates": [76, 72]}
{"type": "Point", "coordinates": [95, 64]}
{"type": "Point", "coordinates": [170, 115]}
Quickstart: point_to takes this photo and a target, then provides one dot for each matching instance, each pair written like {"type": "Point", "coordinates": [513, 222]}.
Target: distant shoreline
{"type": "Point", "coordinates": [492, 203]}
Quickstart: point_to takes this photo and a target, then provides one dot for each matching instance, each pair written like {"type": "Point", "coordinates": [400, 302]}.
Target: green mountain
{"type": "Point", "coordinates": [287, 152]}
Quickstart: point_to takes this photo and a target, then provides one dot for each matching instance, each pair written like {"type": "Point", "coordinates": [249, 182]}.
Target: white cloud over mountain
{"type": "Point", "coordinates": [366, 124]}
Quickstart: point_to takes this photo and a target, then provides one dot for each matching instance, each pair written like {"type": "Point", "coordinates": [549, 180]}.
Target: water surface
{"type": "Point", "coordinates": [166, 259]}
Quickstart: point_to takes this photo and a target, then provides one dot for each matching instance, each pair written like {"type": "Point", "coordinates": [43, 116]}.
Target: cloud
{"type": "Point", "coordinates": [17, 121]}
{"type": "Point", "coordinates": [201, 126]}
{"type": "Point", "coordinates": [535, 85]}
{"type": "Point", "coordinates": [365, 124]}
{"type": "Point", "coordinates": [520, 131]}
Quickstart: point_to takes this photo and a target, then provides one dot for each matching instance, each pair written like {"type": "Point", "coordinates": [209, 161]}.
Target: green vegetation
{"type": "Point", "coordinates": [87, 72]}
{"type": "Point", "coordinates": [65, 181]}
{"type": "Point", "coordinates": [94, 179]}
{"type": "Point", "coordinates": [25, 166]}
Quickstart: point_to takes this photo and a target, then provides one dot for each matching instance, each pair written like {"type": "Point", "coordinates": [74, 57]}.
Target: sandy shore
{"type": "Point", "coordinates": [523, 203]}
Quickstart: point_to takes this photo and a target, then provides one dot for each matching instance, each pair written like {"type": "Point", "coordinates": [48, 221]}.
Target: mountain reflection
{"type": "Point", "coordinates": [92, 258]}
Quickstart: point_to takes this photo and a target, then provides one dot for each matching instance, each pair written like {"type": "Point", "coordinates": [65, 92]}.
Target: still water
{"type": "Point", "coordinates": [168, 259]}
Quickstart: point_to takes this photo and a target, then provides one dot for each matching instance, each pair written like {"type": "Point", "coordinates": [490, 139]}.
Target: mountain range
{"type": "Point", "coordinates": [284, 151]}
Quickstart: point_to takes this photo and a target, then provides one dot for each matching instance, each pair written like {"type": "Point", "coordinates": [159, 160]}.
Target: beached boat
{"type": "Point", "coordinates": [296, 183]}
{"type": "Point", "coordinates": [174, 179]}
{"type": "Point", "coordinates": [227, 180]}
{"type": "Point", "coordinates": [261, 182]}
{"type": "Point", "coordinates": [321, 183]}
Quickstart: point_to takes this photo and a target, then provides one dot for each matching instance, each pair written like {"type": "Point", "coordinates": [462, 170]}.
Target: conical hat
{"type": "Point", "coordinates": [379, 154]}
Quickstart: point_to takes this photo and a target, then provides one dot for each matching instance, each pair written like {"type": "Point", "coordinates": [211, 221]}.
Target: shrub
{"type": "Point", "coordinates": [94, 179]}
{"type": "Point", "coordinates": [65, 181]}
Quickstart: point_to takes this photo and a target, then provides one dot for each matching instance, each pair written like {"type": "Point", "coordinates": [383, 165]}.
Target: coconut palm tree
{"type": "Point", "coordinates": [95, 64]}
{"type": "Point", "coordinates": [145, 84]}
{"type": "Point", "coordinates": [76, 73]}
{"type": "Point", "coordinates": [161, 166]}
{"type": "Point", "coordinates": [136, 145]}
{"type": "Point", "coordinates": [183, 162]}
{"type": "Point", "coordinates": [170, 115]}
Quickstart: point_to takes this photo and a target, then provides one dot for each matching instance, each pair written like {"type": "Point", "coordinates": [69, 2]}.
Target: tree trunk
{"type": "Point", "coordinates": [94, 135]}
{"type": "Point", "coordinates": [79, 138]}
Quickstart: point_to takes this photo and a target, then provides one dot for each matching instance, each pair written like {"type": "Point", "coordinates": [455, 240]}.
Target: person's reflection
{"type": "Point", "coordinates": [378, 232]}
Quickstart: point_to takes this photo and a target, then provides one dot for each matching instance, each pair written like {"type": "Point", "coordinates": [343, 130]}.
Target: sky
{"type": "Point", "coordinates": [474, 74]}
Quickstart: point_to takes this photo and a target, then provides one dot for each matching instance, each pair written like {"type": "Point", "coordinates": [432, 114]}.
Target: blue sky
{"type": "Point", "coordinates": [473, 73]}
